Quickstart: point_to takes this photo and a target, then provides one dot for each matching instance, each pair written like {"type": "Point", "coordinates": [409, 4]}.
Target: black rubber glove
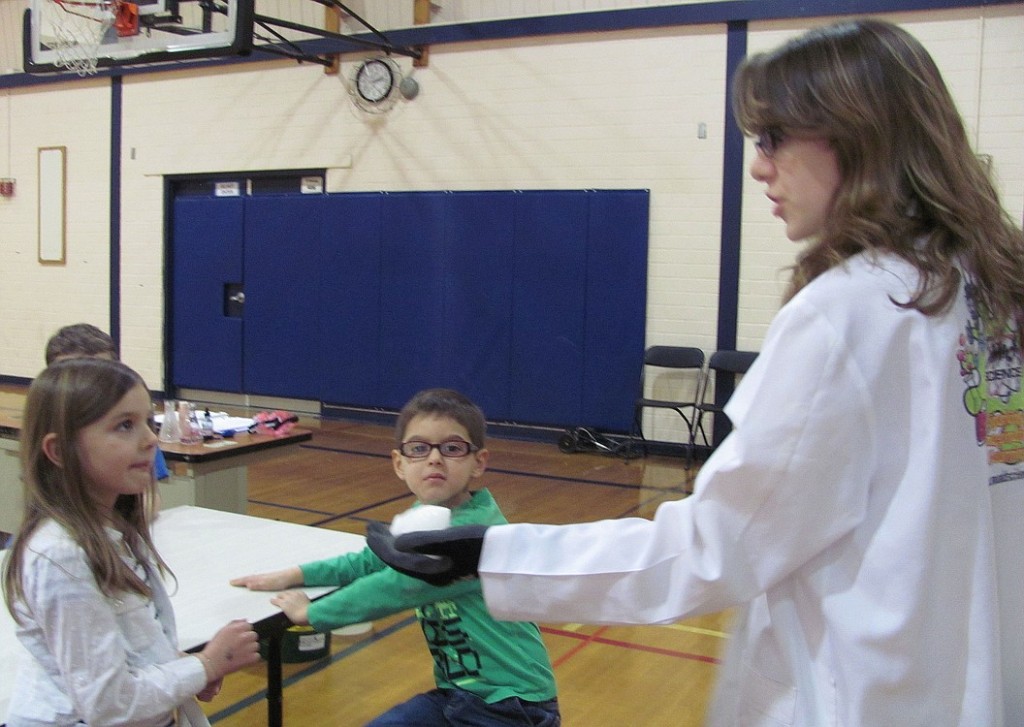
{"type": "Point", "coordinates": [438, 557]}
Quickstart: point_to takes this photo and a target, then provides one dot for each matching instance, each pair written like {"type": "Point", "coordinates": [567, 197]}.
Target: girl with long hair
{"type": "Point", "coordinates": [83, 580]}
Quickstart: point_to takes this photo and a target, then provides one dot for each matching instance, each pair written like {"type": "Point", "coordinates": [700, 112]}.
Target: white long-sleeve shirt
{"type": "Point", "coordinates": [91, 658]}
{"type": "Point", "coordinates": [848, 516]}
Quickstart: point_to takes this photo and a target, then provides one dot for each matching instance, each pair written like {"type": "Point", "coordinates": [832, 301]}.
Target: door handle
{"type": "Point", "coordinates": [234, 300]}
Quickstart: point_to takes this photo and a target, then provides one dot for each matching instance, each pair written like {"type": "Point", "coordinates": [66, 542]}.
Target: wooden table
{"type": "Point", "coordinates": [213, 474]}
{"type": "Point", "coordinates": [10, 470]}
{"type": "Point", "coordinates": [206, 548]}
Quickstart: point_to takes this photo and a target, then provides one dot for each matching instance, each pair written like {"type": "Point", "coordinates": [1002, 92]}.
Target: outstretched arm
{"type": "Point", "coordinates": [438, 557]}
{"type": "Point", "coordinates": [273, 581]}
{"type": "Point", "coordinates": [295, 605]}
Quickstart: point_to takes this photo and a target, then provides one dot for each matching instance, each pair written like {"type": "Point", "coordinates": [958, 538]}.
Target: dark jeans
{"type": "Point", "coordinates": [456, 708]}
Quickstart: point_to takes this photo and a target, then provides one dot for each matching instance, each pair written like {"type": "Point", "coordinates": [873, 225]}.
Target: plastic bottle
{"type": "Point", "coordinates": [207, 424]}
{"type": "Point", "coordinates": [169, 429]}
{"type": "Point", "coordinates": [190, 431]}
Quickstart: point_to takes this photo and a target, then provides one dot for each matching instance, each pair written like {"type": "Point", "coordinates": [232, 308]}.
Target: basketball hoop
{"type": "Point", "coordinates": [76, 29]}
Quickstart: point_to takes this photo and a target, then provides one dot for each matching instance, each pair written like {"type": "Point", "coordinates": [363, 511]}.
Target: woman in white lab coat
{"type": "Point", "coordinates": [849, 515]}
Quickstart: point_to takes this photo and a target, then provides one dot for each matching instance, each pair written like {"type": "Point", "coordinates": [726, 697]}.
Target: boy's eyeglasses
{"type": "Point", "coordinates": [769, 141]}
{"type": "Point", "coordinates": [452, 448]}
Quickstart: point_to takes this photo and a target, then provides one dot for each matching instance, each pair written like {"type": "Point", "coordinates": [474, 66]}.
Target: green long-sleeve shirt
{"type": "Point", "coordinates": [472, 651]}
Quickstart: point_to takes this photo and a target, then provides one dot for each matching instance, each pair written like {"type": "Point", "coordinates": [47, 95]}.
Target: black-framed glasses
{"type": "Point", "coordinates": [451, 448]}
{"type": "Point", "coordinates": [769, 141]}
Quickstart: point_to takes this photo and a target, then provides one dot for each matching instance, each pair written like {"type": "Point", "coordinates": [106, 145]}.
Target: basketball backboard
{"type": "Point", "coordinates": [81, 35]}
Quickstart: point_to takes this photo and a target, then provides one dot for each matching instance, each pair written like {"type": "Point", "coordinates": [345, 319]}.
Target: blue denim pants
{"type": "Point", "coordinates": [456, 708]}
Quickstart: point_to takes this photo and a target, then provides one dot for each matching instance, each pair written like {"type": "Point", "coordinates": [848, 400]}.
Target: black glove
{"type": "Point", "coordinates": [435, 556]}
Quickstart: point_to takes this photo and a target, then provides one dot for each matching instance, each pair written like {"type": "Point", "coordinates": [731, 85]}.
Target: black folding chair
{"type": "Point", "coordinates": [679, 370]}
{"type": "Point", "coordinates": [723, 368]}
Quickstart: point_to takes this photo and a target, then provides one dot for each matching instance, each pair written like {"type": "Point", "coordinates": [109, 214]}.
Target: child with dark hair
{"type": "Point", "coordinates": [487, 672]}
{"type": "Point", "coordinates": [80, 340]}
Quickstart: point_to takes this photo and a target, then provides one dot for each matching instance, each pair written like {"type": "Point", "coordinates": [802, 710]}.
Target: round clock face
{"type": "Point", "coordinates": [374, 80]}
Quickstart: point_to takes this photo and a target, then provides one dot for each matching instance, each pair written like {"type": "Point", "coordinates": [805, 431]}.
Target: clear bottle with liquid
{"type": "Point", "coordinates": [169, 429]}
{"type": "Point", "coordinates": [190, 431]}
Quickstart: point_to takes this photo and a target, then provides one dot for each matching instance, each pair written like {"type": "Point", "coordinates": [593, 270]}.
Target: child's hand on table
{"type": "Point", "coordinates": [272, 581]}
{"type": "Point", "coordinates": [295, 605]}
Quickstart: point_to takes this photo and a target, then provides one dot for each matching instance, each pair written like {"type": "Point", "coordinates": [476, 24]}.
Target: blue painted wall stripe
{"type": "Point", "coordinates": [116, 120]}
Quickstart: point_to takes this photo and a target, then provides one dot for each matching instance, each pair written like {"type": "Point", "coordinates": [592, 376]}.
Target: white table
{"type": "Point", "coordinates": [205, 549]}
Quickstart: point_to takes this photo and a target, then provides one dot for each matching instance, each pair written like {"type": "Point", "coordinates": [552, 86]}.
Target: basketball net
{"type": "Point", "coordinates": [78, 28]}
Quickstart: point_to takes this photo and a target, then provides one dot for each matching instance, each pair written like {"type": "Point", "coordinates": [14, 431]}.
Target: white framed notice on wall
{"type": "Point", "coordinates": [52, 203]}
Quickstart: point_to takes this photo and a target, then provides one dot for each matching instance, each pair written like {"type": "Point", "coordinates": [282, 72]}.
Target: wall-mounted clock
{"type": "Point", "coordinates": [375, 84]}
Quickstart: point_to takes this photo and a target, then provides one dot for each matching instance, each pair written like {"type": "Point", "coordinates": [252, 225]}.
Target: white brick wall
{"type": "Point", "coordinates": [982, 60]}
{"type": "Point", "coordinates": [597, 110]}
{"type": "Point", "coordinates": [36, 299]}
{"type": "Point", "coordinates": [1000, 121]}
{"type": "Point", "coordinates": [489, 116]}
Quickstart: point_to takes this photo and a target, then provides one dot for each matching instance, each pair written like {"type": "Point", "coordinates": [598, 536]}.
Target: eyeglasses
{"type": "Point", "coordinates": [451, 448]}
{"type": "Point", "coordinates": [769, 141]}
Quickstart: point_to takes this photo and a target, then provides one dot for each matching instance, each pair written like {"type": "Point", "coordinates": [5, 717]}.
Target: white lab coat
{"type": "Point", "coordinates": [848, 517]}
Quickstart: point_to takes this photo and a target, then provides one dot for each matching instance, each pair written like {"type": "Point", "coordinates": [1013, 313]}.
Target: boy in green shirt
{"type": "Point", "coordinates": [487, 672]}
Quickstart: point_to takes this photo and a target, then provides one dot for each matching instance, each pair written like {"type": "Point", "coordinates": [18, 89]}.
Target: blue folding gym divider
{"type": "Point", "coordinates": [532, 303]}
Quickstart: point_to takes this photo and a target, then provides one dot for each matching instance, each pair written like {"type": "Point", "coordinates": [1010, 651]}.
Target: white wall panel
{"type": "Point", "coordinates": [36, 299]}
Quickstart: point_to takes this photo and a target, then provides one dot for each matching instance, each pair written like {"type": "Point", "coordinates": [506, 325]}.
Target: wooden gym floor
{"type": "Point", "coordinates": [607, 675]}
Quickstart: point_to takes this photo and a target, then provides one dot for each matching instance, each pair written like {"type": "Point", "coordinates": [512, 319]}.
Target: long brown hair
{"type": "Point", "coordinates": [911, 184]}
{"type": "Point", "coordinates": [66, 397]}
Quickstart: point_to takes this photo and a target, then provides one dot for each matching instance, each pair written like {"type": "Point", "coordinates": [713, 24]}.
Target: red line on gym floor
{"type": "Point", "coordinates": [596, 638]}
{"type": "Point", "coordinates": [578, 648]}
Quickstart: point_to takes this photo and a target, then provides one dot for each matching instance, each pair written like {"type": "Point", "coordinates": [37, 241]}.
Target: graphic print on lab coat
{"type": "Point", "coordinates": [990, 364]}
